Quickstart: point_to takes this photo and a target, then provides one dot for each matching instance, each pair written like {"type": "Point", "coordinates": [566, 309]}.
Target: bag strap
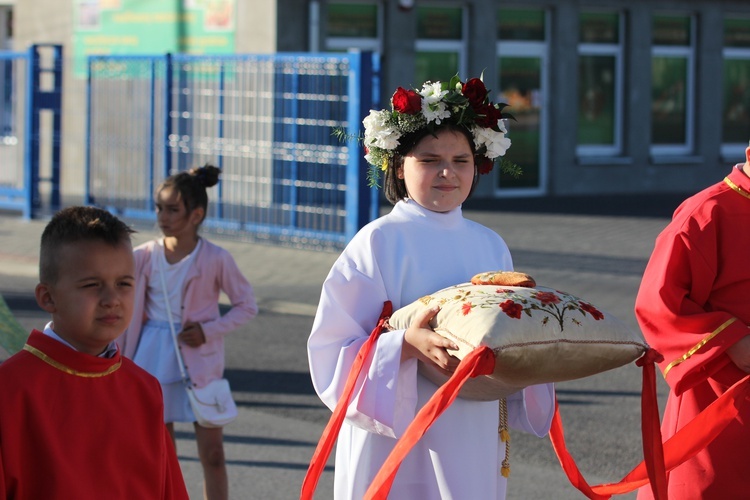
{"type": "Point", "coordinates": [180, 363]}
{"type": "Point", "coordinates": [331, 431]}
{"type": "Point", "coordinates": [658, 458]}
{"type": "Point", "coordinates": [480, 361]}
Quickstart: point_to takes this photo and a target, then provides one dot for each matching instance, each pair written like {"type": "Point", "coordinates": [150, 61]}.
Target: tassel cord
{"type": "Point", "coordinates": [502, 429]}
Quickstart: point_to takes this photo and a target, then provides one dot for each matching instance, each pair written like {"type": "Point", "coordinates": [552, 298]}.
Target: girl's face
{"type": "Point", "coordinates": [439, 171]}
{"type": "Point", "coordinates": [173, 217]}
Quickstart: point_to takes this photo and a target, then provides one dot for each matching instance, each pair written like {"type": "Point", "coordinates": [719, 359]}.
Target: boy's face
{"type": "Point", "coordinates": [92, 301]}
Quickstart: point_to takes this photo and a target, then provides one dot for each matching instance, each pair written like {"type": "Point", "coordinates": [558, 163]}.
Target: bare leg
{"type": "Point", "coordinates": [170, 429]}
{"type": "Point", "coordinates": [211, 453]}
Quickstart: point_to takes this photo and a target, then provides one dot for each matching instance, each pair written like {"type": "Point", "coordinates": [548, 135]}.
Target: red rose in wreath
{"type": "Point", "coordinates": [490, 116]}
{"type": "Point", "coordinates": [484, 165]}
{"type": "Point", "coordinates": [475, 91]}
{"type": "Point", "coordinates": [406, 101]}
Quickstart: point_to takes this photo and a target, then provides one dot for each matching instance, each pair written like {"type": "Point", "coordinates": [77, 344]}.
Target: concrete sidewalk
{"type": "Point", "coordinates": [600, 257]}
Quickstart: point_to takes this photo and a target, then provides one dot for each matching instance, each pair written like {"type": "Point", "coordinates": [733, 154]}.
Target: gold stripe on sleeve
{"type": "Point", "coordinates": [700, 344]}
{"type": "Point", "coordinates": [70, 371]}
{"type": "Point", "coordinates": [736, 188]}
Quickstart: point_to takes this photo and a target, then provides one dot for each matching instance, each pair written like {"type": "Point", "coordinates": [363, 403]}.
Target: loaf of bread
{"type": "Point", "coordinates": [504, 278]}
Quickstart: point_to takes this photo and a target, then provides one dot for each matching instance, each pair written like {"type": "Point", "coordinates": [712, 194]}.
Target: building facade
{"type": "Point", "coordinates": [610, 97]}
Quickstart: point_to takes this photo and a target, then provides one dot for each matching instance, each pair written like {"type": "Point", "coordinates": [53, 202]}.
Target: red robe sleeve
{"type": "Point", "coordinates": [2, 475]}
{"type": "Point", "coordinates": [675, 307]}
{"type": "Point", "coordinates": [174, 482]}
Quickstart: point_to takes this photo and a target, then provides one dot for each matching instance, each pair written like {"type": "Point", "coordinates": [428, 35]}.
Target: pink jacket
{"type": "Point", "coordinates": [213, 270]}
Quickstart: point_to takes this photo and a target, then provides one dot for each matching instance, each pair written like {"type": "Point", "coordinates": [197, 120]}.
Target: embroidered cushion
{"type": "Point", "coordinates": [538, 335]}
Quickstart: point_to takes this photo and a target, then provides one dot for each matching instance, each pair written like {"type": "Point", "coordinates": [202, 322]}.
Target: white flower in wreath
{"type": "Point", "coordinates": [433, 107]}
{"type": "Point", "coordinates": [370, 158]}
{"type": "Point", "coordinates": [377, 131]}
{"type": "Point", "coordinates": [495, 142]}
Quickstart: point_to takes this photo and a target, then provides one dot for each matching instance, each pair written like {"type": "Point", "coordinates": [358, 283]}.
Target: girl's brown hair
{"type": "Point", "coordinates": [191, 186]}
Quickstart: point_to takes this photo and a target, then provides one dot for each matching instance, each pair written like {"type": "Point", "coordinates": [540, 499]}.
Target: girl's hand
{"type": "Point", "coordinates": [421, 342]}
{"type": "Point", "coordinates": [192, 334]}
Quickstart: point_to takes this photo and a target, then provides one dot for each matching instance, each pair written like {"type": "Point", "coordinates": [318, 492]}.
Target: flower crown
{"type": "Point", "coordinates": [466, 104]}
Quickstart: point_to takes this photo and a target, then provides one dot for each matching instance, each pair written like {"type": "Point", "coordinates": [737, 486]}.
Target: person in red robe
{"type": "Point", "coordinates": [77, 419]}
{"type": "Point", "coordinates": [693, 307]}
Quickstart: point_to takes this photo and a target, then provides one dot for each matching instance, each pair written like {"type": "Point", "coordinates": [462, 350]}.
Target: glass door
{"type": "Point", "coordinates": [522, 76]}
{"type": "Point", "coordinates": [522, 87]}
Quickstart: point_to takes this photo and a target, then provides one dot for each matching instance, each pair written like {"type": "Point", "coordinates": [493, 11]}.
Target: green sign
{"type": "Point", "coordinates": [152, 27]}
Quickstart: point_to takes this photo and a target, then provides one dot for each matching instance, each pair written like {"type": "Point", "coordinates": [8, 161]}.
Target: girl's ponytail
{"type": "Point", "coordinates": [207, 175]}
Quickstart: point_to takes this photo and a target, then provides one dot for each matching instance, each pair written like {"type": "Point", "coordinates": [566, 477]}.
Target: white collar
{"type": "Point", "coordinates": [414, 211]}
{"type": "Point", "coordinates": [108, 352]}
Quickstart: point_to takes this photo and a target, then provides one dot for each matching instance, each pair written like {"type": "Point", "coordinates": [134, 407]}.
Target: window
{"type": "Point", "coordinates": [736, 89]}
{"type": "Point", "coordinates": [600, 84]}
{"type": "Point", "coordinates": [527, 25]}
{"type": "Point", "coordinates": [522, 76]}
{"type": "Point", "coordinates": [353, 25]}
{"type": "Point", "coordinates": [672, 83]}
{"type": "Point", "coordinates": [440, 43]}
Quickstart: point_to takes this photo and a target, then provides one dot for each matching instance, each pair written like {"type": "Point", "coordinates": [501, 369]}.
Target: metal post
{"type": "Point", "coordinates": [358, 194]}
{"type": "Point", "coordinates": [294, 164]}
{"type": "Point", "coordinates": [88, 199]}
{"type": "Point", "coordinates": [55, 104]}
{"type": "Point", "coordinates": [220, 134]}
{"type": "Point", "coordinates": [39, 100]}
{"type": "Point", "coordinates": [151, 126]}
{"type": "Point", "coordinates": [168, 80]}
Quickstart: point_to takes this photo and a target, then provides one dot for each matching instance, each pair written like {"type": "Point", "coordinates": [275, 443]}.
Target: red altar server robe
{"type": "Point", "coordinates": [75, 426]}
{"type": "Point", "coordinates": [694, 303]}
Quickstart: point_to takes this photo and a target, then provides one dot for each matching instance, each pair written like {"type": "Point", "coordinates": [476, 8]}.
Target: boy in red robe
{"type": "Point", "coordinates": [78, 420]}
{"type": "Point", "coordinates": [694, 308]}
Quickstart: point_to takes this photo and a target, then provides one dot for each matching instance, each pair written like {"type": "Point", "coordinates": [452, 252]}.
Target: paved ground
{"type": "Point", "coordinates": [593, 248]}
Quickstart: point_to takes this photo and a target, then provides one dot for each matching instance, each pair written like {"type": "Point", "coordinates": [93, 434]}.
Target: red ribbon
{"type": "Point", "coordinates": [658, 458]}
{"type": "Point", "coordinates": [331, 432]}
{"type": "Point", "coordinates": [480, 361]}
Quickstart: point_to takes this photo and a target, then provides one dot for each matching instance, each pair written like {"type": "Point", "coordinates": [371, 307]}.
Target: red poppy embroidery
{"type": "Point", "coordinates": [512, 309]}
{"type": "Point", "coordinates": [554, 306]}
{"type": "Point", "coordinates": [547, 298]}
{"type": "Point", "coordinates": [593, 311]}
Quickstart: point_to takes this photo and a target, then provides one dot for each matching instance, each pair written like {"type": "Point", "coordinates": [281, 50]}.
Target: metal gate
{"type": "Point", "coordinates": [266, 120]}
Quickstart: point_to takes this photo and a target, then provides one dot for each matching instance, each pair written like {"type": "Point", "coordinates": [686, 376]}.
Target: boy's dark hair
{"type": "Point", "coordinates": [191, 185]}
{"type": "Point", "coordinates": [73, 225]}
{"type": "Point", "coordinates": [394, 188]}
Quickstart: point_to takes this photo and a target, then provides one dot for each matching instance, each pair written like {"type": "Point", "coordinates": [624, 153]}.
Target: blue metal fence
{"type": "Point", "coordinates": [266, 120]}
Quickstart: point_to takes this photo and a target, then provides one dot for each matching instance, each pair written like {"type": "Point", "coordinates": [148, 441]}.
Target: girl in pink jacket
{"type": "Point", "coordinates": [195, 271]}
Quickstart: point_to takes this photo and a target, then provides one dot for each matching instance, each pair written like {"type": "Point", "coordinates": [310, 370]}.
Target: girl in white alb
{"type": "Point", "coordinates": [424, 244]}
